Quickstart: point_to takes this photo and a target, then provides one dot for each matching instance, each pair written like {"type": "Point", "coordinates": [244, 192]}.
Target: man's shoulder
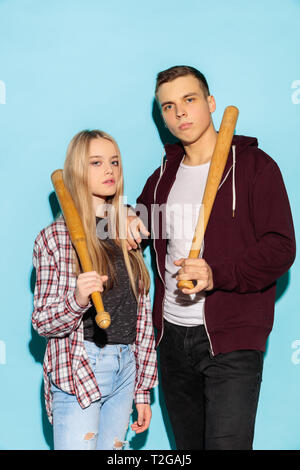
{"type": "Point", "coordinates": [250, 155]}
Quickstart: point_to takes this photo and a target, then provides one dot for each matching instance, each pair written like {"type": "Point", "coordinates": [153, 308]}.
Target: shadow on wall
{"type": "Point", "coordinates": [37, 347]}
{"type": "Point", "coordinates": [139, 441]}
{"type": "Point", "coordinates": [165, 135]}
{"type": "Point", "coordinates": [282, 285]}
{"type": "Point", "coordinates": [37, 344]}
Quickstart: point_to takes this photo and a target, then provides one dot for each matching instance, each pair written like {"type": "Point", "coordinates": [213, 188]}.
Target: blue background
{"type": "Point", "coordinates": [69, 65]}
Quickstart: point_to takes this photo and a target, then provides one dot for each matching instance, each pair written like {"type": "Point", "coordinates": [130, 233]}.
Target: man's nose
{"type": "Point", "coordinates": [180, 111]}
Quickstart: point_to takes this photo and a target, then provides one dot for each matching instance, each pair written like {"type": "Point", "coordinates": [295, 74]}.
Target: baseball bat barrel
{"type": "Point", "coordinates": [217, 166]}
{"type": "Point", "coordinates": [78, 239]}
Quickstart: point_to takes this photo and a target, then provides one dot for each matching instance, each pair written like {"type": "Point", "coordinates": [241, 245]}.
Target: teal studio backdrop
{"type": "Point", "coordinates": [69, 65]}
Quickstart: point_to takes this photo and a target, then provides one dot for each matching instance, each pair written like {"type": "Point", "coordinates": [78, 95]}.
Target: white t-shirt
{"type": "Point", "coordinates": [182, 212]}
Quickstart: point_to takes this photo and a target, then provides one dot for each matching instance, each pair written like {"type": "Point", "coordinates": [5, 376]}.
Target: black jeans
{"type": "Point", "coordinates": [211, 400]}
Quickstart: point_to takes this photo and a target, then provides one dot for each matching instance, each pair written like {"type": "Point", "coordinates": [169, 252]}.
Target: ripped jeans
{"type": "Point", "coordinates": [103, 424]}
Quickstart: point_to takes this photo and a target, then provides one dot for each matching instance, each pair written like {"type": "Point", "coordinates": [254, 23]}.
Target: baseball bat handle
{"type": "Point", "coordinates": [217, 166]}
{"type": "Point", "coordinates": [188, 284]}
{"type": "Point", "coordinates": [78, 240]}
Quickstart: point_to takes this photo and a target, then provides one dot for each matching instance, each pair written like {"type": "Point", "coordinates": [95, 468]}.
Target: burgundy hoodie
{"type": "Point", "coordinates": [248, 250]}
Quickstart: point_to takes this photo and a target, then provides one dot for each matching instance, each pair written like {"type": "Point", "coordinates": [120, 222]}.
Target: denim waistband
{"type": "Point", "coordinates": [108, 348]}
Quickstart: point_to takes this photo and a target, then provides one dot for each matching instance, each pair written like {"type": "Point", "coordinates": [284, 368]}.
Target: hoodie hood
{"type": "Point", "coordinates": [241, 142]}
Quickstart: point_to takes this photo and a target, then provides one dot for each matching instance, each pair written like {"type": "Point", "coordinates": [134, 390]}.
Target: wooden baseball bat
{"type": "Point", "coordinates": [78, 240]}
{"type": "Point", "coordinates": [218, 162]}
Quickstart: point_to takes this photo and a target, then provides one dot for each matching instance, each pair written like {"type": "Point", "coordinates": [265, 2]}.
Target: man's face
{"type": "Point", "coordinates": [185, 109]}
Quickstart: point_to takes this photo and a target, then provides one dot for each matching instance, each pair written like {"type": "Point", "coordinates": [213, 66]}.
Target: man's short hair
{"type": "Point", "coordinates": [177, 71]}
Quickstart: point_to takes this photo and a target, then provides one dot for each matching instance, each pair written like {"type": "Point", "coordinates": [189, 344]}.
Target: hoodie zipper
{"type": "Point", "coordinates": [205, 326]}
{"type": "Point", "coordinates": [233, 208]}
{"type": "Point", "coordinates": [204, 319]}
{"type": "Point", "coordinates": [158, 269]}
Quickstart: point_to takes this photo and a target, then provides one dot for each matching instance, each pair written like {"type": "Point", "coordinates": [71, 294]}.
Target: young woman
{"type": "Point", "coordinates": [91, 376]}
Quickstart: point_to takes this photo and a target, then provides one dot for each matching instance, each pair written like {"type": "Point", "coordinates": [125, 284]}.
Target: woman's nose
{"type": "Point", "coordinates": [108, 168]}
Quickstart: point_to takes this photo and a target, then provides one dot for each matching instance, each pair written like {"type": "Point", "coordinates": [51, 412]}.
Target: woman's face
{"type": "Point", "coordinates": [103, 169]}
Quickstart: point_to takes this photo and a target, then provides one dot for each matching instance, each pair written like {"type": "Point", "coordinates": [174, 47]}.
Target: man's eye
{"type": "Point", "coordinates": [167, 107]}
{"type": "Point", "coordinates": [190, 100]}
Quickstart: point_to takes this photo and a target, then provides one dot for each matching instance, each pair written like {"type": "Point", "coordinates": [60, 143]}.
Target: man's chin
{"type": "Point", "coordinates": [188, 140]}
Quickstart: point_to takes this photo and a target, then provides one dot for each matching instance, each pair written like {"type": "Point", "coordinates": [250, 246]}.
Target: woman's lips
{"type": "Point", "coordinates": [109, 182]}
{"type": "Point", "coordinates": [185, 125]}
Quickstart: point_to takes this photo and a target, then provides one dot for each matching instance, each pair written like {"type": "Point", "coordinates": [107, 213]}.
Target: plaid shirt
{"type": "Point", "coordinates": [58, 316]}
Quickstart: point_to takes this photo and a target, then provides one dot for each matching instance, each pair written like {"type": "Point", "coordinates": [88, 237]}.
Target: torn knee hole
{"type": "Point", "coordinates": [118, 444]}
{"type": "Point", "coordinates": [89, 436]}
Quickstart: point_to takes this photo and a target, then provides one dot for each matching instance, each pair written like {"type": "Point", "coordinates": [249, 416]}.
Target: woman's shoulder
{"type": "Point", "coordinates": [53, 236]}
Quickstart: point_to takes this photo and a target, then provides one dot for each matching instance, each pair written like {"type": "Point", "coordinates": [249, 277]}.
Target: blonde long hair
{"type": "Point", "coordinates": [76, 180]}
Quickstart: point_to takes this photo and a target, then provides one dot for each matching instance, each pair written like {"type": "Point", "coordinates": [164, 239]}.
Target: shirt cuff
{"type": "Point", "coordinates": [74, 306]}
{"type": "Point", "coordinates": [142, 396]}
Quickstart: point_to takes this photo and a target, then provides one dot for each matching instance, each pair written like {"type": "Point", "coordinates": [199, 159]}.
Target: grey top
{"type": "Point", "coordinates": [119, 301]}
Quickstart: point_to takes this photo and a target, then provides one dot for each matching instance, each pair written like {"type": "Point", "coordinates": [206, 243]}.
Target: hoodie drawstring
{"type": "Point", "coordinates": [162, 166]}
{"type": "Point", "coordinates": [233, 181]}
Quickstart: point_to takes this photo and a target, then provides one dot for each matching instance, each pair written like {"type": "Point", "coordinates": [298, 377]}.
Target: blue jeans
{"type": "Point", "coordinates": [103, 424]}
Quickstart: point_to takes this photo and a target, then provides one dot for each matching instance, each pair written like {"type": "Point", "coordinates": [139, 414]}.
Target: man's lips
{"type": "Point", "coordinates": [185, 125]}
{"type": "Point", "coordinates": [110, 181]}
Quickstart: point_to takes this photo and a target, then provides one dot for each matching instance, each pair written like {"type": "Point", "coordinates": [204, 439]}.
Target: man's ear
{"type": "Point", "coordinates": [211, 103]}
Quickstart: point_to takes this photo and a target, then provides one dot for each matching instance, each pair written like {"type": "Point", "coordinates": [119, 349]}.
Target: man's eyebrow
{"type": "Point", "coordinates": [193, 93]}
{"type": "Point", "coordinates": [166, 102]}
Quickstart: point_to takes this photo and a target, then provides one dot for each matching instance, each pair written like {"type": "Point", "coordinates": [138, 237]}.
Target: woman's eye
{"type": "Point", "coordinates": [115, 163]}
{"type": "Point", "coordinates": [96, 163]}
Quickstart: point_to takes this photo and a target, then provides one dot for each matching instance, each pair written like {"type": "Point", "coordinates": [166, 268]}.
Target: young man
{"type": "Point", "coordinates": [212, 338]}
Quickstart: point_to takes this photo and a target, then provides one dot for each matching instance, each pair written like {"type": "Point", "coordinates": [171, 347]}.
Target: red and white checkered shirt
{"type": "Point", "coordinates": [58, 316]}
